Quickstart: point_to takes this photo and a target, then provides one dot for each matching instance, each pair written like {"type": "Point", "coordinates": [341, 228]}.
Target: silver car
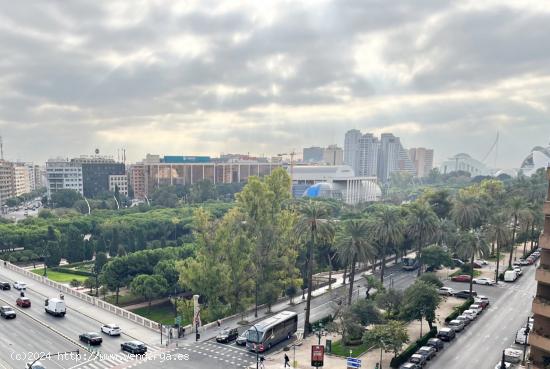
{"type": "Point", "coordinates": [457, 325]}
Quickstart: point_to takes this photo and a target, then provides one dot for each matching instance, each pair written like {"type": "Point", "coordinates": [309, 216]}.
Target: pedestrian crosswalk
{"type": "Point", "coordinates": [230, 354]}
{"type": "Point", "coordinates": [103, 360]}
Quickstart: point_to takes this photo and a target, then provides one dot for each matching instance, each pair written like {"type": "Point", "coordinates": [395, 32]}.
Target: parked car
{"type": "Point", "coordinates": [518, 271]}
{"type": "Point", "coordinates": [477, 265]}
{"type": "Point", "coordinates": [418, 359]}
{"type": "Point", "coordinates": [91, 338]}
{"type": "Point", "coordinates": [512, 355]}
{"type": "Point", "coordinates": [227, 335]}
{"type": "Point", "coordinates": [436, 343]}
{"type": "Point", "coordinates": [521, 338]}
{"type": "Point", "coordinates": [427, 351]}
{"type": "Point", "coordinates": [5, 286]}
{"type": "Point", "coordinates": [465, 294]}
{"type": "Point", "coordinates": [134, 347]}
{"type": "Point", "coordinates": [483, 299]}
{"type": "Point", "coordinates": [482, 262]}
{"type": "Point", "coordinates": [461, 278]}
{"type": "Point", "coordinates": [457, 325]}
{"type": "Point", "coordinates": [523, 262]}
{"type": "Point", "coordinates": [531, 260]}
{"type": "Point", "coordinates": [111, 329]}
{"type": "Point", "coordinates": [446, 291]}
{"type": "Point", "coordinates": [510, 276]}
{"type": "Point", "coordinates": [457, 263]}
{"type": "Point", "coordinates": [20, 286]}
{"type": "Point", "coordinates": [7, 312]}
{"type": "Point", "coordinates": [478, 308]}
{"type": "Point", "coordinates": [464, 319]}
{"type": "Point", "coordinates": [446, 334]}
{"type": "Point", "coordinates": [470, 313]}
{"type": "Point", "coordinates": [23, 302]}
{"type": "Point", "coordinates": [506, 364]}
{"type": "Point", "coordinates": [241, 340]}
{"type": "Point", "coordinates": [483, 280]}
{"type": "Point", "coordinates": [410, 366]}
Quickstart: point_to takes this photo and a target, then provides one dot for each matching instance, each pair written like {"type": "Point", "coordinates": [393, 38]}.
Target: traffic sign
{"type": "Point", "coordinates": [317, 355]}
{"type": "Point", "coordinates": [353, 363]}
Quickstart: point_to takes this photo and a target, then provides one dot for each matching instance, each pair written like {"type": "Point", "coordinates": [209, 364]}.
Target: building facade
{"type": "Point", "coordinates": [7, 185]}
{"type": "Point", "coordinates": [119, 181]}
{"type": "Point", "coordinates": [423, 160]}
{"type": "Point", "coordinates": [333, 155]}
{"type": "Point", "coordinates": [351, 149]}
{"type": "Point", "coordinates": [136, 178]}
{"type": "Point", "coordinates": [63, 174]}
{"type": "Point", "coordinates": [95, 175]}
{"type": "Point", "coordinates": [539, 337]}
{"type": "Point", "coordinates": [22, 179]}
{"type": "Point", "coordinates": [314, 154]}
{"type": "Point", "coordinates": [369, 148]}
{"type": "Point", "coordinates": [464, 162]}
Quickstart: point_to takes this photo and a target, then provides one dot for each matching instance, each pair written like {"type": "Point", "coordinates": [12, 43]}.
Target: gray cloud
{"type": "Point", "coordinates": [75, 76]}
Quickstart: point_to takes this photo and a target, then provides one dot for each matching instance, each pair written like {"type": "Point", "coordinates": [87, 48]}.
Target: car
{"type": "Point", "coordinates": [530, 260]}
{"type": "Point", "coordinates": [523, 262]}
{"type": "Point", "coordinates": [91, 338]}
{"type": "Point", "coordinates": [446, 334]}
{"type": "Point", "coordinates": [36, 365]}
{"type": "Point", "coordinates": [111, 329]}
{"type": "Point", "coordinates": [446, 291]}
{"type": "Point", "coordinates": [457, 263]}
{"type": "Point", "coordinates": [436, 343]}
{"type": "Point", "coordinates": [464, 319]}
{"type": "Point", "coordinates": [506, 365]}
{"type": "Point", "coordinates": [227, 335]}
{"type": "Point", "coordinates": [483, 280]}
{"type": "Point", "coordinates": [481, 262]}
{"type": "Point", "coordinates": [465, 294]}
{"type": "Point", "coordinates": [461, 278]}
{"type": "Point", "coordinates": [410, 366]}
{"type": "Point", "coordinates": [7, 312]}
{"type": "Point", "coordinates": [512, 355]}
{"type": "Point", "coordinates": [427, 351]}
{"type": "Point", "coordinates": [20, 286]}
{"type": "Point", "coordinates": [478, 308]}
{"type": "Point", "coordinates": [23, 302]}
{"type": "Point", "coordinates": [470, 313]}
{"type": "Point", "coordinates": [530, 322]}
{"type": "Point", "coordinates": [241, 340]}
{"type": "Point", "coordinates": [518, 271]}
{"type": "Point", "coordinates": [418, 359]}
{"type": "Point", "coordinates": [481, 303]}
{"type": "Point", "coordinates": [483, 298]}
{"type": "Point", "coordinates": [477, 265]}
{"type": "Point", "coordinates": [521, 338]}
{"type": "Point", "coordinates": [457, 325]}
{"type": "Point", "coordinates": [134, 347]}
{"type": "Point", "coordinates": [5, 286]}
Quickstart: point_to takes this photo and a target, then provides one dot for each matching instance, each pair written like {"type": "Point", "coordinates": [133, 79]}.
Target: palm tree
{"type": "Point", "coordinates": [473, 244]}
{"type": "Point", "coordinates": [499, 231]}
{"type": "Point", "coordinates": [421, 226]}
{"type": "Point", "coordinates": [312, 223]}
{"type": "Point", "coordinates": [353, 245]}
{"type": "Point", "coordinates": [526, 218]}
{"type": "Point", "coordinates": [516, 206]}
{"type": "Point", "coordinates": [467, 212]}
{"type": "Point", "coordinates": [387, 230]}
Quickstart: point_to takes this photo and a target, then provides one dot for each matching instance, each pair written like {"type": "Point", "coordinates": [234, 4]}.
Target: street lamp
{"type": "Point", "coordinates": [319, 330]}
{"type": "Point", "coordinates": [256, 345]}
{"type": "Point", "coordinates": [503, 361]}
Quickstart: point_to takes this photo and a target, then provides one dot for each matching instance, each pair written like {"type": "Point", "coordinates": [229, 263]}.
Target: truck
{"type": "Point", "coordinates": [55, 306]}
{"type": "Point", "coordinates": [510, 276]}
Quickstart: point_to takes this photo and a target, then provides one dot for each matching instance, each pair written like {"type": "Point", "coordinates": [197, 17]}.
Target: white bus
{"type": "Point", "coordinates": [269, 332]}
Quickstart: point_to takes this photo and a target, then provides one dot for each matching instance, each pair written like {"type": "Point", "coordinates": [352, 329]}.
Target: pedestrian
{"type": "Point", "coordinates": [262, 359]}
{"type": "Point", "coordinates": [287, 361]}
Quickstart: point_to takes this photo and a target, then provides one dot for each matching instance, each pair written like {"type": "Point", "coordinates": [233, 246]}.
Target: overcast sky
{"type": "Point", "coordinates": [206, 77]}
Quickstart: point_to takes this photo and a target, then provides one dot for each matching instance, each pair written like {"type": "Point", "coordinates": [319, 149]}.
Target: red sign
{"type": "Point", "coordinates": [317, 355]}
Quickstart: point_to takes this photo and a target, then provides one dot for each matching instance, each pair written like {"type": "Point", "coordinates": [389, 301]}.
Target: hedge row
{"type": "Point", "coordinates": [409, 351]}
{"type": "Point", "coordinates": [78, 263]}
{"type": "Point", "coordinates": [72, 271]}
{"type": "Point", "coordinates": [459, 310]}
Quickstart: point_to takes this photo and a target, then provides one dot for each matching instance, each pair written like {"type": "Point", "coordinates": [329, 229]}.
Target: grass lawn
{"type": "Point", "coordinates": [161, 313]}
{"type": "Point", "coordinates": [124, 299]}
{"type": "Point", "coordinates": [341, 350]}
{"type": "Point", "coordinates": [60, 277]}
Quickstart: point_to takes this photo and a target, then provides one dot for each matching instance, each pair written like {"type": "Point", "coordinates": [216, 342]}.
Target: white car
{"type": "Point", "coordinates": [483, 280]}
{"type": "Point", "coordinates": [447, 291]}
{"type": "Point", "coordinates": [111, 329]}
{"type": "Point", "coordinates": [470, 313]}
{"type": "Point", "coordinates": [506, 364]}
{"type": "Point", "coordinates": [483, 299]}
{"type": "Point", "coordinates": [482, 262]}
{"type": "Point", "coordinates": [521, 338]}
{"type": "Point", "coordinates": [478, 308]}
{"type": "Point", "coordinates": [518, 271]}
{"type": "Point", "coordinates": [20, 286]}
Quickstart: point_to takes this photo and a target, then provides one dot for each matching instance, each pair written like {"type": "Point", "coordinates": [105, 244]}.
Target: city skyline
{"type": "Point", "coordinates": [202, 78]}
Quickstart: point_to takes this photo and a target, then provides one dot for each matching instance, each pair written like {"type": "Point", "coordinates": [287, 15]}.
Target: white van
{"type": "Point", "coordinates": [510, 276]}
{"type": "Point", "coordinates": [55, 306]}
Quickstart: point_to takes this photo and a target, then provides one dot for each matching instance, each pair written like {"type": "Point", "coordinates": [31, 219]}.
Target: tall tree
{"type": "Point", "coordinates": [422, 226]}
{"type": "Point", "coordinates": [387, 229]}
{"type": "Point", "coordinates": [473, 244]}
{"type": "Point", "coordinates": [516, 205]}
{"type": "Point", "coordinates": [467, 211]}
{"type": "Point", "coordinates": [353, 244]}
{"type": "Point", "coordinates": [420, 301]}
{"type": "Point", "coordinates": [389, 337]}
{"type": "Point", "coordinates": [312, 224]}
{"type": "Point", "coordinates": [148, 286]}
{"type": "Point", "coordinates": [499, 231]}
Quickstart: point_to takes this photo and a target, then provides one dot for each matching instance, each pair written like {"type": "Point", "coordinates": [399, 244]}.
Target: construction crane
{"type": "Point", "coordinates": [292, 154]}
{"type": "Point", "coordinates": [494, 147]}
